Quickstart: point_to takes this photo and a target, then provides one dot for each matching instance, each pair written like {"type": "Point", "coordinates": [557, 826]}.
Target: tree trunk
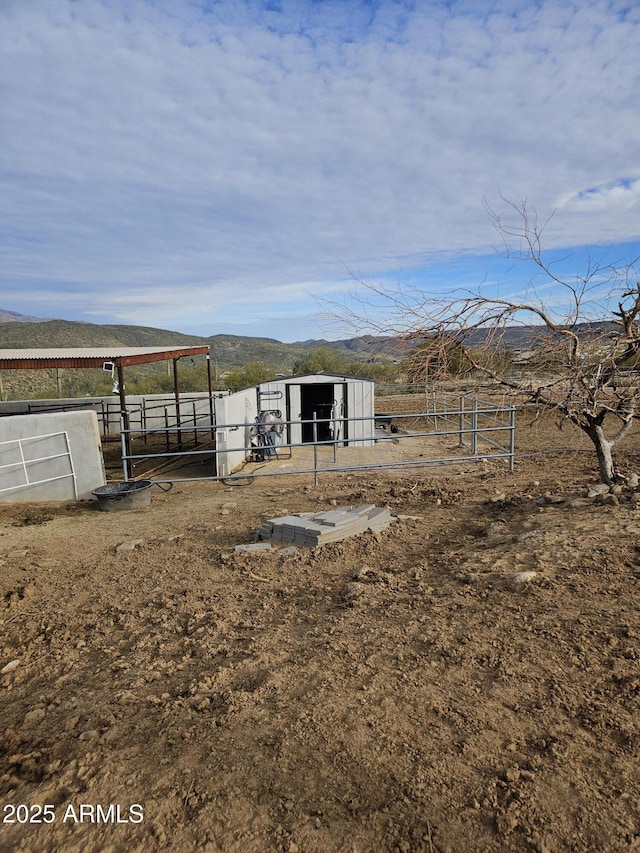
{"type": "Point", "coordinates": [603, 452]}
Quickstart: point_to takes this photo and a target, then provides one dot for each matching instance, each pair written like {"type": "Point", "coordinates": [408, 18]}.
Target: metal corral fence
{"type": "Point", "coordinates": [476, 420]}
{"type": "Point", "coordinates": [146, 414]}
{"type": "Point", "coordinates": [483, 429]}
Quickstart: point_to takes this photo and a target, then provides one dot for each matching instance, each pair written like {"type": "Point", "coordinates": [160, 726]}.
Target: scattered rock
{"type": "Point", "coordinates": [524, 577]}
{"type": "Point", "coordinates": [34, 716]}
{"type": "Point", "coordinates": [632, 480]}
{"type": "Point", "coordinates": [13, 664]}
{"type": "Point", "coordinates": [254, 546]}
{"type": "Point", "coordinates": [361, 572]}
{"type": "Point", "coordinates": [498, 527]}
{"type": "Point", "coordinates": [89, 734]}
{"type": "Point", "coordinates": [578, 503]}
{"type": "Point", "coordinates": [129, 545]}
{"type": "Point", "coordinates": [529, 535]}
{"type": "Point", "coordinates": [550, 498]}
{"type": "Point", "coordinates": [598, 489]}
{"type": "Point", "coordinates": [354, 590]}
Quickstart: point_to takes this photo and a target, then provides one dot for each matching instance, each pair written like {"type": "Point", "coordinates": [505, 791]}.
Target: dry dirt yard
{"type": "Point", "coordinates": [178, 696]}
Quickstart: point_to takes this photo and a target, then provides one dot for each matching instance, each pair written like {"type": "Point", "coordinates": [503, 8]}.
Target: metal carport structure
{"type": "Point", "coordinates": [99, 357]}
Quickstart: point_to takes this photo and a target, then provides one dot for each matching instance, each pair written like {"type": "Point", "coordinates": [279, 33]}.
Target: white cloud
{"type": "Point", "coordinates": [226, 147]}
{"type": "Point", "coordinates": [617, 196]}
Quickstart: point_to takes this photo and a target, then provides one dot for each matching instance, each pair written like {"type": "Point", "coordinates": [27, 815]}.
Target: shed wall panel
{"type": "Point", "coordinates": [235, 417]}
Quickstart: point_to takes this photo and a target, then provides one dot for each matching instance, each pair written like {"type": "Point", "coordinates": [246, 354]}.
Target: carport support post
{"type": "Point", "coordinates": [211, 415]}
{"type": "Point", "coordinates": [177, 398]}
{"type": "Point", "coordinates": [124, 417]}
{"type": "Point", "coordinates": [123, 449]}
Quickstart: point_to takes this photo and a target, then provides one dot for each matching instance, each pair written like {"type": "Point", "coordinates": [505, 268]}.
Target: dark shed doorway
{"type": "Point", "coordinates": [318, 398]}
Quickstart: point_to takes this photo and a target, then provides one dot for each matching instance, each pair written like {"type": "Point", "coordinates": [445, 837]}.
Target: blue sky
{"type": "Point", "coordinates": [215, 166]}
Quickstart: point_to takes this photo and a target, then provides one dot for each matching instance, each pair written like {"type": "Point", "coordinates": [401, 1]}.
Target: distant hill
{"type": "Point", "coordinates": [14, 317]}
{"type": "Point", "coordinates": [227, 350]}
{"type": "Point", "coordinates": [523, 337]}
{"type": "Point", "coordinates": [20, 331]}
{"type": "Point", "coordinates": [66, 333]}
{"type": "Point", "coordinates": [363, 345]}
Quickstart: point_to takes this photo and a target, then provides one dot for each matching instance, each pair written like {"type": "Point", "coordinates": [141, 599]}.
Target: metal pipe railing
{"type": "Point", "coordinates": [482, 423]}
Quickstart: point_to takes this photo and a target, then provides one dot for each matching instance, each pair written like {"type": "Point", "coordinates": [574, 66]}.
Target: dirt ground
{"type": "Point", "coordinates": [393, 692]}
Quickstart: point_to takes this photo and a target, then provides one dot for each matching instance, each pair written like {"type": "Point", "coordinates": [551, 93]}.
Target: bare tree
{"type": "Point", "coordinates": [583, 334]}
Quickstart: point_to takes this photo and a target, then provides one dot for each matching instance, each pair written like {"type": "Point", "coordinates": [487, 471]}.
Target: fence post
{"type": "Point", "coordinates": [474, 426]}
{"type": "Point", "coordinates": [315, 449]}
{"type": "Point", "coordinates": [195, 424]}
{"type": "Point", "coordinates": [143, 419]}
{"type": "Point", "coordinates": [512, 438]}
{"type": "Point", "coordinates": [461, 441]}
{"type": "Point", "coordinates": [105, 428]}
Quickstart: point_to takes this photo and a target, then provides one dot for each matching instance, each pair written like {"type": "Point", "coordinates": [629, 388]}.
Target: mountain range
{"type": "Point", "coordinates": [18, 331]}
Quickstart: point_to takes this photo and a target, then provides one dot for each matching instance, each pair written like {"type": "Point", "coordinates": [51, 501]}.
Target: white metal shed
{"type": "Point", "coordinates": [343, 406]}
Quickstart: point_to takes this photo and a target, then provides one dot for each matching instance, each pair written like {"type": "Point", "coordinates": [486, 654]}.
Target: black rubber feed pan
{"type": "Point", "coordinates": [115, 497]}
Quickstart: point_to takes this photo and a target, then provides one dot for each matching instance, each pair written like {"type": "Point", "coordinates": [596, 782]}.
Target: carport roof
{"type": "Point", "coordinates": [33, 359]}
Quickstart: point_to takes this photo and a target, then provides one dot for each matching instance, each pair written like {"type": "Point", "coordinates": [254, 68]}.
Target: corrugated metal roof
{"type": "Point", "coordinates": [16, 359]}
{"type": "Point", "coordinates": [325, 374]}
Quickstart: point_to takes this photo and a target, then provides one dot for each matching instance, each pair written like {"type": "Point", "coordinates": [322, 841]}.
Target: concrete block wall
{"type": "Point", "coordinates": [50, 457]}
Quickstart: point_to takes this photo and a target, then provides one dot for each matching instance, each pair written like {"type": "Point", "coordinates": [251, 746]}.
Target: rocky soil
{"type": "Point", "coordinates": [467, 680]}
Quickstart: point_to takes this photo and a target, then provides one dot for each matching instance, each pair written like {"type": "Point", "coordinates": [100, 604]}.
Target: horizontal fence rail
{"type": "Point", "coordinates": [483, 430]}
{"type": "Point", "coordinates": [143, 412]}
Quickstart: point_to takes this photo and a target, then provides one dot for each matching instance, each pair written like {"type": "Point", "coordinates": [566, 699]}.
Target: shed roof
{"type": "Point", "coordinates": [325, 374]}
{"type": "Point", "coordinates": [33, 359]}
